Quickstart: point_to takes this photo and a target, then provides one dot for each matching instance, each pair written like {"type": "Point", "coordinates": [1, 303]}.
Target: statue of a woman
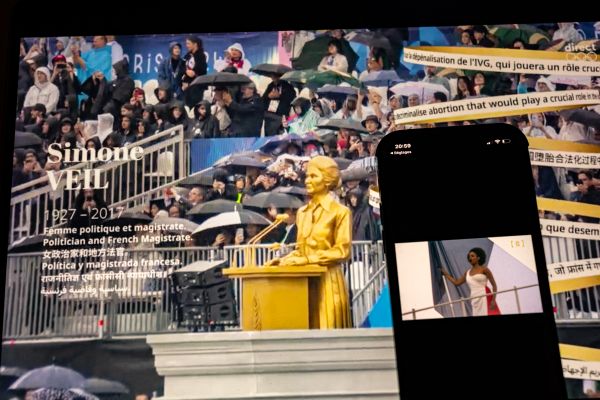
{"type": "Point", "coordinates": [324, 238]}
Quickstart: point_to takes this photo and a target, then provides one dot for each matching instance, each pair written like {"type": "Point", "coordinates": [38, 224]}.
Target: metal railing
{"type": "Point", "coordinates": [42, 304]}
{"type": "Point", "coordinates": [582, 305]}
{"type": "Point", "coordinates": [35, 203]}
{"type": "Point", "coordinates": [462, 301]}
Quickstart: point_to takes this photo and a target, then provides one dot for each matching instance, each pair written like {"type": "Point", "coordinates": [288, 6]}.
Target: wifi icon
{"type": "Point", "coordinates": [497, 141]}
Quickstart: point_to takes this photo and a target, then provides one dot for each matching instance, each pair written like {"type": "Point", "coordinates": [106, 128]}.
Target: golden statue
{"type": "Point", "coordinates": [324, 238]}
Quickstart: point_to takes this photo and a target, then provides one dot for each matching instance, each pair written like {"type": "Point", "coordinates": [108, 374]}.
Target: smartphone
{"type": "Point", "coordinates": [470, 298]}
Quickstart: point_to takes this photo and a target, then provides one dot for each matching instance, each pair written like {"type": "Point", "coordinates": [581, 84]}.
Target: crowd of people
{"type": "Point", "coordinates": [82, 94]}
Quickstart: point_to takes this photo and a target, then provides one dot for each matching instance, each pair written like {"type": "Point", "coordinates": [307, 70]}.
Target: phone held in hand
{"type": "Point", "coordinates": [471, 302]}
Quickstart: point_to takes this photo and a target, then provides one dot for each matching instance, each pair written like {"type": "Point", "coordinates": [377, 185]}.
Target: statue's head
{"type": "Point", "coordinates": [322, 175]}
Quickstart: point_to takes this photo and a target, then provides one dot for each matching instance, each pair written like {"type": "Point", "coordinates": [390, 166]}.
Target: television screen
{"type": "Point", "coordinates": [145, 165]}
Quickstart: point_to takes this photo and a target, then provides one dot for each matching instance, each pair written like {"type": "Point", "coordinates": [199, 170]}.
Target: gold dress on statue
{"type": "Point", "coordinates": [324, 238]}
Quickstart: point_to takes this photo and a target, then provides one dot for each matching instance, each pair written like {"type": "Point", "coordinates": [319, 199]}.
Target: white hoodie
{"type": "Point", "coordinates": [44, 93]}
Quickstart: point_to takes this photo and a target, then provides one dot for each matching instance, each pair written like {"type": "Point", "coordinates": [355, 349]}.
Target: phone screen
{"type": "Point", "coordinates": [470, 297]}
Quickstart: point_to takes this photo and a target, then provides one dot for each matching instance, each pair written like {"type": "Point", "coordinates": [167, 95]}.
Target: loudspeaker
{"type": "Point", "coordinates": [194, 316]}
{"type": "Point", "coordinates": [223, 314]}
{"type": "Point", "coordinates": [192, 296]}
{"type": "Point", "coordinates": [220, 293]}
{"type": "Point", "coordinates": [200, 273]}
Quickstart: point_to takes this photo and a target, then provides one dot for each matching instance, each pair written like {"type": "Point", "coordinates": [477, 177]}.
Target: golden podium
{"type": "Point", "coordinates": [273, 297]}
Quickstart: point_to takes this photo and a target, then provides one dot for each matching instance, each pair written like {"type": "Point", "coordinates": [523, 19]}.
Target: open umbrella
{"type": "Point", "coordinates": [231, 219]}
{"type": "Point", "coordinates": [240, 161]}
{"type": "Point", "coordinates": [270, 69]}
{"type": "Point", "coordinates": [337, 89]}
{"type": "Point", "coordinates": [195, 92]}
{"type": "Point", "coordinates": [354, 174]}
{"type": "Point", "coordinates": [342, 162]}
{"type": "Point", "coordinates": [49, 377]}
{"type": "Point", "coordinates": [338, 123]}
{"type": "Point", "coordinates": [332, 77]}
{"type": "Point", "coordinates": [507, 34]}
{"type": "Point", "coordinates": [585, 117]}
{"type": "Point", "coordinates": [314, 50]}
{"type": "Point", "coordinates": [298, 77]}
{"type": "Point", "coordinates": [215, 207]}
{"type": "Point", "coordinates": [26, 139]}
{"type": "Point", "coordinates": [570, 80]}
{"type": "Point", "coordinates": [104, 386]}
{"type": "Point", "coordinates": [185, 225]}
{"type": "Point", "coordinates": [201, 178]}
{"type": "Point", "coordinates": [280, 141]}
{"type": "Point", "coordinates": [368, 163]}
{"type": "Point", "coordinates": [270, 199]}
{"type": "Point", "coordinates": [129, 217]}
{"type": "Point", "coordinates": [295, 190]}
{"type": "Point", "coordinates": [385, 77]}
{"type": "Point", "coordinates": [424, 89]}
{"type": "Point", "coordinates": [28, 244]}
{"type": "Point", "coordinates": [12, 371]}
{"type": "Point", "coordinates": [371, 39]}
{"type": "Point", "coordinates": [62, 394]}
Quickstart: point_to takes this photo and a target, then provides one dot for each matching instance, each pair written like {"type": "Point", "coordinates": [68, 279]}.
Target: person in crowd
{"type": "Point", "coordinates": [178, 116]}
{"type": "Point", "coordinates": [219, 110]}
{"type": "Point", "coordinates": [163, 93]}
{"type": "Point", "coordinates": [372, 125]}
{"type": "Point", "coordinates": [246, 112]}
{"type": "Point", "coordinates": [334, 60]}
{"type": "Point", "coordinates": [364, 226]}
{"type": "Point", "coordinates": [194, 197]}
{"type": "Point", "coordinates": [265, 182]}
{"type": "Point", "coordinates": [99, 58]}
{"type": "Point", "coordinates": [466, 38]}
{"type": "Point", "coordinates": [414, 100]}
{"type": "Point", "coordinates": [43, 91]}
{"type": "Point", "coordinates": [68, 84]}
{"type": "Point", "coordinates": [138, 101]}
{"type": "Point", "coordinates": [277, 100]}
{"type": "Point", "coordinates": [537, 127]}
{"type": "Point", "coordinates": [204, 125]}
{"type": "Point", "coordinates": [121, 89]}
{"type": "Point", "coordinates": [195, 61]}
{"type": "Point", "coordinates": [97, 89]}
{"type": "Point", "coordinates": [589, 193]}
{"type": "Point", "coordinates": [236, 58]}
{"type": "Point", "coordinates": [171, 71]}
{"type": "Point", "coordinates": [304, 118]}
{"type": "Point", "coordinates": [464, 88]}
{"type": "Point", "coordinates": [545, 182]}
{"type": "Point", "coordinates": [544, 84]}
{"type": "Point", "coordinates": [431, 77]}
{"type": "Point", "coordinates": [479, 84]}
{"type": "Point", "coordinates": [116, 52]}
{"type": "Point", "coordinates": [480, 37]}
{"type": "Point", "coordinates": [221, 189]}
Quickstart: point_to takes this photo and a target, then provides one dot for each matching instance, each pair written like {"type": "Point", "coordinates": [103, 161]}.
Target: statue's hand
{"type": "Point", "coordinates": [293, 261]}
{"type": "Point", "coordinates": [273, 262]}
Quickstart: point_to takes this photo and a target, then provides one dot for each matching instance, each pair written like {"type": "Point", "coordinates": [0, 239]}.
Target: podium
{"type": "Point", "coordinates": [275, 297]}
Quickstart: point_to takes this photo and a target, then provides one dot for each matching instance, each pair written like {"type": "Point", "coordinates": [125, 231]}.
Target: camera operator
{"type": "Point", "coordinates": [63, 76]}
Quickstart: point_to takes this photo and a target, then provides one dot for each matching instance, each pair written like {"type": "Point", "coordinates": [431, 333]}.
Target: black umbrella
{"type": "Point", "coordinates": [215, 207]}
{"type": "Point", "coordinates": [270, 199]}
{"type": "Point", "coordinates": [342, 162]}
{"type": "Point", "coordinates": [296, 190]}
{"type": "Point", "coordinates": [354, 174]}
{"type": "Point", "coordinates": [371, 39]}
{"type": "Point", "coordinates": [240, 161]}
{"type": "Point", "coordinates": [337, 124]}
{"type": "Point", "coordinates": [28, 244]}
{"type": "Point", "coordinates": [195, 92]}
{"type": "Point", "coordinates": [202, 178]}
{"type": "Point", "coordinates": [62, 394]}
{"type": "Point", "coordinates": [585, 117]}
{"type": "Point", "coordinates": [26, 139]}
{"type": "Point", "coordinates": [49, 377]}
{"type": "Point", "coordinates": [279, 141]}
{"type": "Point", "coordinates": [337, 89]}
{"type": "Point", "coordinates": [104, 386]}
{"type": "Point", "coordinates": [314, 50]}
{"type": "Point", "coordinates": [129, 217]}
{"type": "Point", "coordinates": [270, 69]}
{"type": "Point", "coordinates": [12, 371]}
